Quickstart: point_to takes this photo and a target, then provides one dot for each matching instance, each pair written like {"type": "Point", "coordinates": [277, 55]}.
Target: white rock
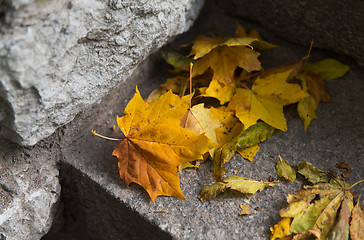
{"type": "Point", "coordinates": [29, 191]}
{"type": "Point", "coordinates": [57, 58]}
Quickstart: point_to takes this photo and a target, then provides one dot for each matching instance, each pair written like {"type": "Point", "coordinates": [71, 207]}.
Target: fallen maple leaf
{"type": "Point", "coordinates": [223, 61]}
{"type": "Point", "coordinates": [246, 139]}
{"type": "Point", "coordinates": [315, 208]}
{"type": "Point", "coordinates": [316, 89]}
{"type": "Point", "coordinates": [260, 44]}
{"type": "Point", "coordinates": [204, 45]}
{"type": "Point", "coordinates": [241, 184]}
{"type": "Point", "coordinates": [284, 170]}
{"type": "Point", "coordinates": [327, 69]}
{"type": "Point", "coordinates": [219, 91]}
{"type": "Point", "coordinates": [179, 61]}
{"type": "Point", "coordinates": [155, 144]}
{"type": "Point", "coordinates": [357, 222]}
{"type": "Point", "coordinates": [266, 99]}
{"type": "Point", "coordinates": [248, 153]}
{"type": "Point", "coordinates": [199, 119]}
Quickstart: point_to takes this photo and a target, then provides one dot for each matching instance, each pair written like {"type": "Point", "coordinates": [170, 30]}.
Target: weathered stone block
{"type": "Point", "coordinates": [57, 58]}
{"type": "Point", "coordinates": [29, 191]}
{"type": "Point", "coordinates": [334, 25]}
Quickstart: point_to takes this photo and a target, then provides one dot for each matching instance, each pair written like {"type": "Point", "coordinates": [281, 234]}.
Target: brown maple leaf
{"type": "Point", "coordinates": [155, 145]}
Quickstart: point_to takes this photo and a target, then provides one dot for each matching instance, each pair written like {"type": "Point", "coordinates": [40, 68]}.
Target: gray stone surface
{"type": "Point", "coordinates": [29, 190]}
{"type": "Point", "coordinates": [57, 58]}
{"type": "Point", "coordinates": [96, 204]}
{"type": "Point", "coordinates": [336, 136]}
{"type": "Point", "coordinates": [335, 25]}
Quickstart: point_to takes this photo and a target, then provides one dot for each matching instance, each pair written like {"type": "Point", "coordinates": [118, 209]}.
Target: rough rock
{"type": "Point", "coordinates": [334, 25]}
{"type": "Point", "coordinates": [57, 58]}
{"type": "Point", "coordinates": [29, 191]}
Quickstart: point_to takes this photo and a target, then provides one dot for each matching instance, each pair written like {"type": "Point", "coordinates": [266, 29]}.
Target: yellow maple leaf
{"type": "Point", "coordinates": [155, 144]}
{"type": "Point", "coordinates": [199, 119]}
{"type": "Point", "coordinates": [259, 44]}
{"type": "Point", "coordinates": [248, 153]}
{"type": "Point", "coordinates": [219, 91]}
{"type": "Point", "coordinates": [223, 61]}
{"type": "Point", "coordinates": [316, 89]}
{"type": "Point", "coordinates": [203, 45]}
{"type": "Point", "coordinates": [322, 210]}
{"type": "Point", "coordinates": [250, 107]}
{"type": "Point", "coordinates": [266, 99]}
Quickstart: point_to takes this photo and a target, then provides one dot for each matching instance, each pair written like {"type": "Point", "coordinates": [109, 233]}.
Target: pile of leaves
{"type": "Point", "coordinates": [323, 210]}
{"type": "Point", "coordinates": [220, 102]}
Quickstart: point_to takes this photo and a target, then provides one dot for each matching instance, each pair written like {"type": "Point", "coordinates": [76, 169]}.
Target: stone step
{"type": "Point", "coordinates": [96, 204]}
{"type": "Point", "coordinates": [98, 196]}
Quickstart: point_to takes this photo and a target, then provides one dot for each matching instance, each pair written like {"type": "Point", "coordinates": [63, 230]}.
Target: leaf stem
{"type": "Point", "coordinates": [355, 184]}
{"type": "Point", "coordinates": [308, 54]}
{"type": "Point", "coordinates": [112, 139]}
{"type": "Point", "coordinates": [191, 65]}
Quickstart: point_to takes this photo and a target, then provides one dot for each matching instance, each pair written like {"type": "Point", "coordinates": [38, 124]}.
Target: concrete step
{"type": "Point", "coordinates": [96, 204]}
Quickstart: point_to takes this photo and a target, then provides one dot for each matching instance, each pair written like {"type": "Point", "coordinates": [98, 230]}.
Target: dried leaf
{"type": "Point", "coordinates": [284, 170]}
{"type": "Point", "coordinates": [204, 45]}
{"type": "Point", "coordinates": [220, 91]}
{"type": "Point", "coordinates": [316, 89]}
{"type": "Point", "coordinates": [247, 138]}
{"type": "Point", "coordinates": [307, 235]}
{"type": "Point", "coordinates": [327, 69]}
{"type": "Point", "coordinates": [341, 229]}
{"type": "Point", "coordinates": [223, 61]}
{"type": "Point", "coordinates": [222, 155]}
{"type": "Point", "coordinates": [320, 214]}
{"type": "Point", "coordinates": [260, 44]}
{"type": "Point", "coordinates": [357, 222]}
{"type": "Point", "coordinates": [315, 210]}
{"type": "Point", "coordinates": [199, 120]}
{"type": "Point", "coordinates": [241, 184]}
{"type": "Point", "coordinates": [266, 99]}
{"type": "Point", "coordinates": [280, 229]}
{"type": "Point", "coordinates": [248, 153]}
{"type": "Point", "coordinates": [155, 145]}
{"type": "Point", "coordinates": [255, 134]}
{"type": "Point", "coordinates": [245, 209]}
{"type": "Point", "coordinates": [312, 174]}
{"type": "Point", "coordinates": [179, 61]}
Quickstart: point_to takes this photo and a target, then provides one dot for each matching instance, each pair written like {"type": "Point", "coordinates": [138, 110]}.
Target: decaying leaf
{"type": "Point", "coordinates": [204, 45]}
{"type": "Point", "coordinates": [326, 206]}
{"type": "Point", "coordinates": [220, 91]}
{"type": "Point", "coordinates": [257, 45]}
{"type": "Point", "coordinates": [247, 138]}
{"type": "Point", "coordinates": [248, 153]}
{"type": "Point", "coordinates": [179, 61]}
{"type": "Point", "coordinates": [327, 69]}
{"type": "Point", "coordinates": [223, 61]}
{"type": "Point", "coordinates": [281, 229]}
{"type": "Point", "coordinates": [241, 184]}
{"type": "Point", "coordinates": [266, 99]}
{"type": "Point", "coordinates": [155, 144]}
{"type": "Point", "coordinates": [284, 170]}
{"type": "Point", "coordinates": [316, 89]}
{"type": "Point", "coordinates": [245, 210]}
{"type": "Point", "coordinates": [199, 120]}
{"type": "Point", "coordinates": [312, 173]}
{"type": "Point", "coordinates": [357, 222]}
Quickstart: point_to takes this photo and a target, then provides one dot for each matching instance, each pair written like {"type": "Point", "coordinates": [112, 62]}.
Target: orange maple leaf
{"type": "Point", "coordinates": [155, 144]}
